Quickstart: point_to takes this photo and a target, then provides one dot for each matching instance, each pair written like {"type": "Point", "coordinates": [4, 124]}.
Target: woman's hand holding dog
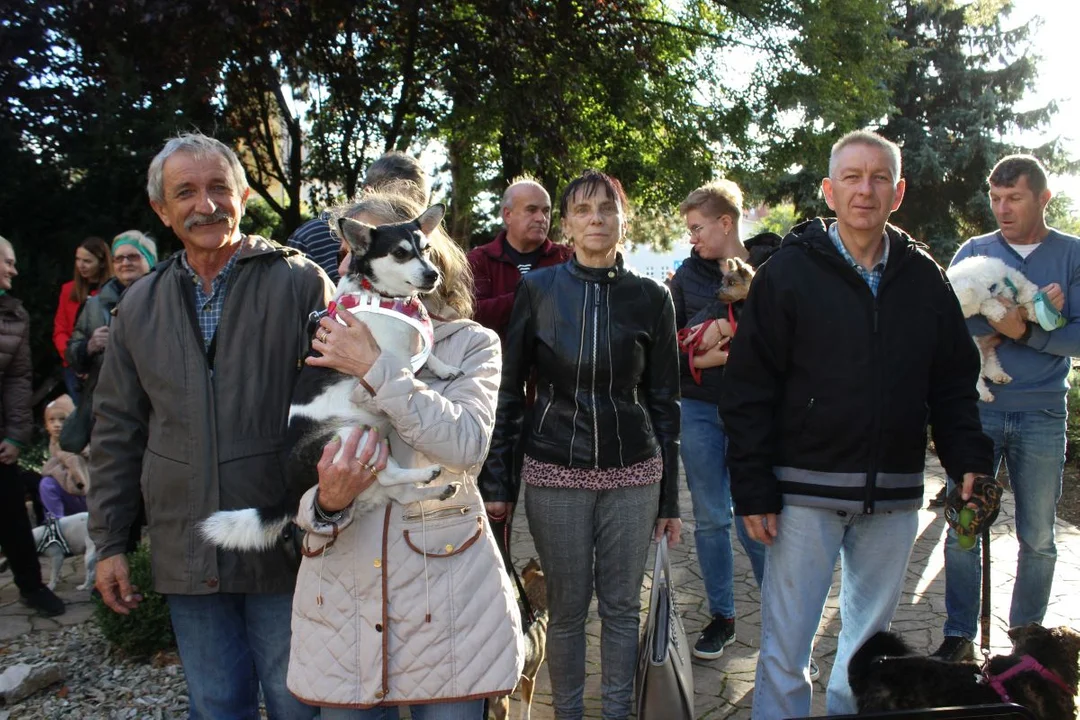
{"type": "Point", "coordinates": [351, 349]}
{"type": "Point", "coordinates": [341, 480]}
{"type": "Point", "coordinates": [712, 340]}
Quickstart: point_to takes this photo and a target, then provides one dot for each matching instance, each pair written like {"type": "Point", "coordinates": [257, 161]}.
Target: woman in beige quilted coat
{"type": "Point", "coordinates": [408, 605]}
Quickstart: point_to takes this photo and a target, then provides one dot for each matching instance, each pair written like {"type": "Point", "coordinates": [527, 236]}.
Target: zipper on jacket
{"type": "Point", "coordinates": [875, 435]}
{"type": "Point", "coordinates": [645, 414]}
{"type": "Point", "coordinates": [611, 377]}
{"type": "Point", "coordinates": [543, 415]}
{"type": "Point", "coordinates": [577, 376]}
{"type": "Point", "coordinates": [595, 404]}
{"type": "Point", "coordinates": [448, 511]}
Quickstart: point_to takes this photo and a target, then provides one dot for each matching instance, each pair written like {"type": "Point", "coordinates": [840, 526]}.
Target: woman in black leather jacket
{"type": "Point", "coordinates": [601, 441]}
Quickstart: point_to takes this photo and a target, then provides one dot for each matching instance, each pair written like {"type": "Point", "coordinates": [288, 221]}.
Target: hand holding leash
{"type": "Point", "coordinates": [9, 453]}
{"type": "Point", "coordinates": [341, 480]}
{"type": "Point", "coordinates": [351, 349]}
{"type": "Point", "coordinates": [114, 584]}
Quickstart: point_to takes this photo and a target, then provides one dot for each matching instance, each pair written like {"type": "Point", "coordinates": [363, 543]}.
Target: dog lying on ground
{"type": "Point", "coordinates": [58, 539]}
{"type": "Point", "coordinates": [532, 577]}
{"type": "Point", "coordinates": [978, 282]}
{"type": "Point", "coordinates": [388, 272]}
{"type": "Point", "coordinates": [1040, 674]}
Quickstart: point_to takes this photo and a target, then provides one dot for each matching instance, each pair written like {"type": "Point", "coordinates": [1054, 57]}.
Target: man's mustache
{"type": "Point", "coordinates": [200, 219]}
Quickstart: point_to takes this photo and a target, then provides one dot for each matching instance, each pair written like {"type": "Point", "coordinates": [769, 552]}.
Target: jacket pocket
{"type": "Point", "coordinates": [547, 407]}
{"type": "Point", "coordinates": [443, 540]}
{"type": "Point", "coordinates": [644, 412]}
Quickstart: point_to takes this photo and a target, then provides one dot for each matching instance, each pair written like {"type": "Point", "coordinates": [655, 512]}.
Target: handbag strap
{"type": "Point", "coordinates": [661, 568]}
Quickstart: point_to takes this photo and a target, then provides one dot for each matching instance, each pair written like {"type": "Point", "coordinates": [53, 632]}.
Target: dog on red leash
{"type": "Point", "coordinates": [734, 287]}
{"type": "Point", "coordinates": [532, 578]}
{"type": "Point", "coordinates": [1040, 674]}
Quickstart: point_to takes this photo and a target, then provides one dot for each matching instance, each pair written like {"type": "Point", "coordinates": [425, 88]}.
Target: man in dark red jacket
{"type": "Point", "coordinates": [498, 266]}
{"type": "Point", "coordinates": [522, 246]}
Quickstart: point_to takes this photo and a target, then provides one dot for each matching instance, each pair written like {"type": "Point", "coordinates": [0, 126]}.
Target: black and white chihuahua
{"type": "Point", "coordinates": [388, 272]}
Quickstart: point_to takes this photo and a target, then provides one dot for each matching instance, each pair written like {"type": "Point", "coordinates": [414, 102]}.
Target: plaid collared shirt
{"type": "Point", "coordinates": [872, 276]}
{"type": "Point", "coordinates": [209, 306]}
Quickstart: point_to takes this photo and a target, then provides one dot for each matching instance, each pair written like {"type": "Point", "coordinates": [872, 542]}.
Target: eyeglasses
{"type": "Point", "coordinates": [695, 230]}
{"type": "Point", "coordinates": [126, 258]}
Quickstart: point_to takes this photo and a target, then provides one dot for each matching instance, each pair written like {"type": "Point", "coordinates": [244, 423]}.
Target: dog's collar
{"type": "Point", "coordinates": [1026, 664]}
{"type": "Point", "coordinates": [407, 309]}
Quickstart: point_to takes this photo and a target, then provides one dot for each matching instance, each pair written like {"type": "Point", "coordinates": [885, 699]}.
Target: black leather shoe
{"type": "Point", "coordinates": [955, 649]}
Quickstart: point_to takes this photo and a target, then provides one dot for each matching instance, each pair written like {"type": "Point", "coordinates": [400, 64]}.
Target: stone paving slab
{"type": "Point", "coordinates": [724, 687]}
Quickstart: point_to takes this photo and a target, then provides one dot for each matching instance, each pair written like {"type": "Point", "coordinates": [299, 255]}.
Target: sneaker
{"type": "Point", "coordinates": [44, 601]}
{"type": "Point", "coordinates": [717, 635]}
{"type": "Point", "coordinates": [955, 649]}
{"type": "Point", "coordinates": [814, 672]}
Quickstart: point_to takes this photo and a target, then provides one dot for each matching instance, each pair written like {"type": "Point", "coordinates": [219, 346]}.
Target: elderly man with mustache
{"type": "Point", "coordinates": [191, 409]}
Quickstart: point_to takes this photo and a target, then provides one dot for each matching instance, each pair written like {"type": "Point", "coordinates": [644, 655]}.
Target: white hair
{"type": "Point", "coordinates": [865, 137]}
{"type": "Point", "coordinates": [6, 246]}
{"type": "Point", "coordinates": [198, 145]}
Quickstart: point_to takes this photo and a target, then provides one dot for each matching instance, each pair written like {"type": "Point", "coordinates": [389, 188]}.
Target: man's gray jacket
{"type": "Point", "coordinates": [198, 432]}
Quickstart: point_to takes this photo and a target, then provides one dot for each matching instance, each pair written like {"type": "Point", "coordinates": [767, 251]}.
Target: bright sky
{"type": "Point", "coordinates": [1055, 41]}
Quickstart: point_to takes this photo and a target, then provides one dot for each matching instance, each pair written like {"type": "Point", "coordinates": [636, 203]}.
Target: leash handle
{"type": "Point", "coordinates": [985, 607]}
{"type": "Point", "coordinates": [500, 526]}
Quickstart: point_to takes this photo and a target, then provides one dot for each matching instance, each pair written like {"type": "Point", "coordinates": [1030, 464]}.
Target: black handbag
{"type": "Point", "coordinates": [665, 677]}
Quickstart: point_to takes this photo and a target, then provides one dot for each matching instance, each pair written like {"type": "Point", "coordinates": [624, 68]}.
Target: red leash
{"type": "Point", "coordinates": [690, 341]}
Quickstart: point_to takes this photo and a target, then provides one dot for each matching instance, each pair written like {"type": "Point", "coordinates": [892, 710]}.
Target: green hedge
{"type": "Point", "coordinates": [147, 629]}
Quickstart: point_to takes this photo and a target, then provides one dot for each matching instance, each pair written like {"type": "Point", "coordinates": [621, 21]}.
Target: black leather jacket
{"type": "Point", "coordinates": [603, 344]}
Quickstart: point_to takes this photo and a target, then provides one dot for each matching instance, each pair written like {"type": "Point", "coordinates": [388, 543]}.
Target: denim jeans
{"type": "Point", "coordinates": [581, 535]}
{"type": "Point", "coordinates": [466, 710]}
{"type": "Point", "coordinates": [703, 451]}
{"type": "Point", "coordinates": [1033, 446]}
{"type": "Point", "coordinates": [229, 645]}
{"type": "Point", "coordinates": [874, 552]}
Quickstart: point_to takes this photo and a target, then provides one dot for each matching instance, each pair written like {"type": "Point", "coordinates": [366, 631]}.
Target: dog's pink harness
{"type": "Point", "coordinates": [1026, 664]}
{"type": "Point", "coordinates": [407, 309]}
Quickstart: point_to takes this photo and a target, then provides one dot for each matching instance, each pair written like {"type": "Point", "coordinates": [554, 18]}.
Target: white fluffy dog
{"type": "Point", "coordinates": [978, 282]}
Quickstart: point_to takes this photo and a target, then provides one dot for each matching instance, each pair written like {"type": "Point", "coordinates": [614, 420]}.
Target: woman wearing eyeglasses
{"type": "Point", "coordinates": [712, 215]}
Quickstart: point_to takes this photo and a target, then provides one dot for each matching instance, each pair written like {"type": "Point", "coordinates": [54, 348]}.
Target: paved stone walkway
{"type": "Point", "coordinates": [725, 686]}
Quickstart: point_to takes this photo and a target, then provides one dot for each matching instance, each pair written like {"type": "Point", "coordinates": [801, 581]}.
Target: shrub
{"type": "Point", "coordinates": [147, 629]}
{"type": "Point", "coordinates": [1072, 431]}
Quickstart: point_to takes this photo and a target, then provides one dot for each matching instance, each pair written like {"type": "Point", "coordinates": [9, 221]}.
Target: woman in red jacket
{"type": "Point", "coordinates": [92, 269]}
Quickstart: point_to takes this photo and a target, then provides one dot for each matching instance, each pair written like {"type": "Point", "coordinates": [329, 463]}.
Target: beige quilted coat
{"type": "Point", "coordinates": [372, 622]}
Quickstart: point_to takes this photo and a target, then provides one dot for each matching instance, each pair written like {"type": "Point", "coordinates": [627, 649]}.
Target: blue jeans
{"type": "Point", "coordinates": [465, 710]}
{"type": "Point", "coordinates": [874, 552]}
{"type": "Point", "coordinates": [1033, 446]}
{"type": "Point", "coordinates": [703, 452]}
{"type": "Point", "coordinates": [229, 645]}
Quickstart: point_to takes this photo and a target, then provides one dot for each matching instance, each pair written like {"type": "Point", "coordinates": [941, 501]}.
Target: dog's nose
{"type": "Point", "coordinates": [79, 486]}
{"type": "Point", "coordinates": [431, 277]}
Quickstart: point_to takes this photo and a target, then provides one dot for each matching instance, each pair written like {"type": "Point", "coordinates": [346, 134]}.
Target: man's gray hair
{"type": "Point", "coordinates": [197, 145]}
{"type": "Point", "coordinates": [865, 137]}
{"type": "Point", "coordinates": [6, 245]}
{"type": "Point", "coordinates": [396, 167]}
{"type": "Point", "coordinates": [508, 195]}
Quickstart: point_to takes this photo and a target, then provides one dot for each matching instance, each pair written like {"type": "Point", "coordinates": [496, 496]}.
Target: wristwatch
{"type": "Point", "coordinates": [328, 518]}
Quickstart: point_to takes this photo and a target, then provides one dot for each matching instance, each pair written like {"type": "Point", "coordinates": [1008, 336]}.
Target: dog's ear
{"type": "Point", "coordinates": [430, 218]}
{"type": "Point", "coordinates": [1023, 633]}
{"type": "Point", "coordinates": [732, 265]}
{"type": "Point", "coordinates": [356, 234]}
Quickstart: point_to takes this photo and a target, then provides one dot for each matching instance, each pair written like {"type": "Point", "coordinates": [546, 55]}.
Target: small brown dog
{"type": "Point", "coordinates": [1041, 674]}
{"type": "Point", "coordinates": [736, 283]}
{"type": "Point", "coordinates": [532, 577]}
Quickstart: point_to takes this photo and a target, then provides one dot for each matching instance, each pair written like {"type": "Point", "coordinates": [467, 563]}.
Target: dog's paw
{"type": "Point", "coordinates": [985, 395]}
{"type": "Point", "coordinates": [450, 491]}
{"type": "Point", "coordinates": [1001, 378]}
{"type": "Point", "coordinates": [436, 471]}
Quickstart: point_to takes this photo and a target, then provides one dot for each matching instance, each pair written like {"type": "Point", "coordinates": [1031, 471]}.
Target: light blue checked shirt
{"type": "Point", "coordinates": [208, 306]}
{"type": "Point", "coordinates": [872, 276]}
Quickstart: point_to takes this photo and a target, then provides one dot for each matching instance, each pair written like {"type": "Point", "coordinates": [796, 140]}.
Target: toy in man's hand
{"type": "Point", "coordinates": [968, 518]}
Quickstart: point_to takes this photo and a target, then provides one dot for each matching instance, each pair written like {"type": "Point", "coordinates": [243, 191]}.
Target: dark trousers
{"type": "Point", "coordinates": [16, 540]}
